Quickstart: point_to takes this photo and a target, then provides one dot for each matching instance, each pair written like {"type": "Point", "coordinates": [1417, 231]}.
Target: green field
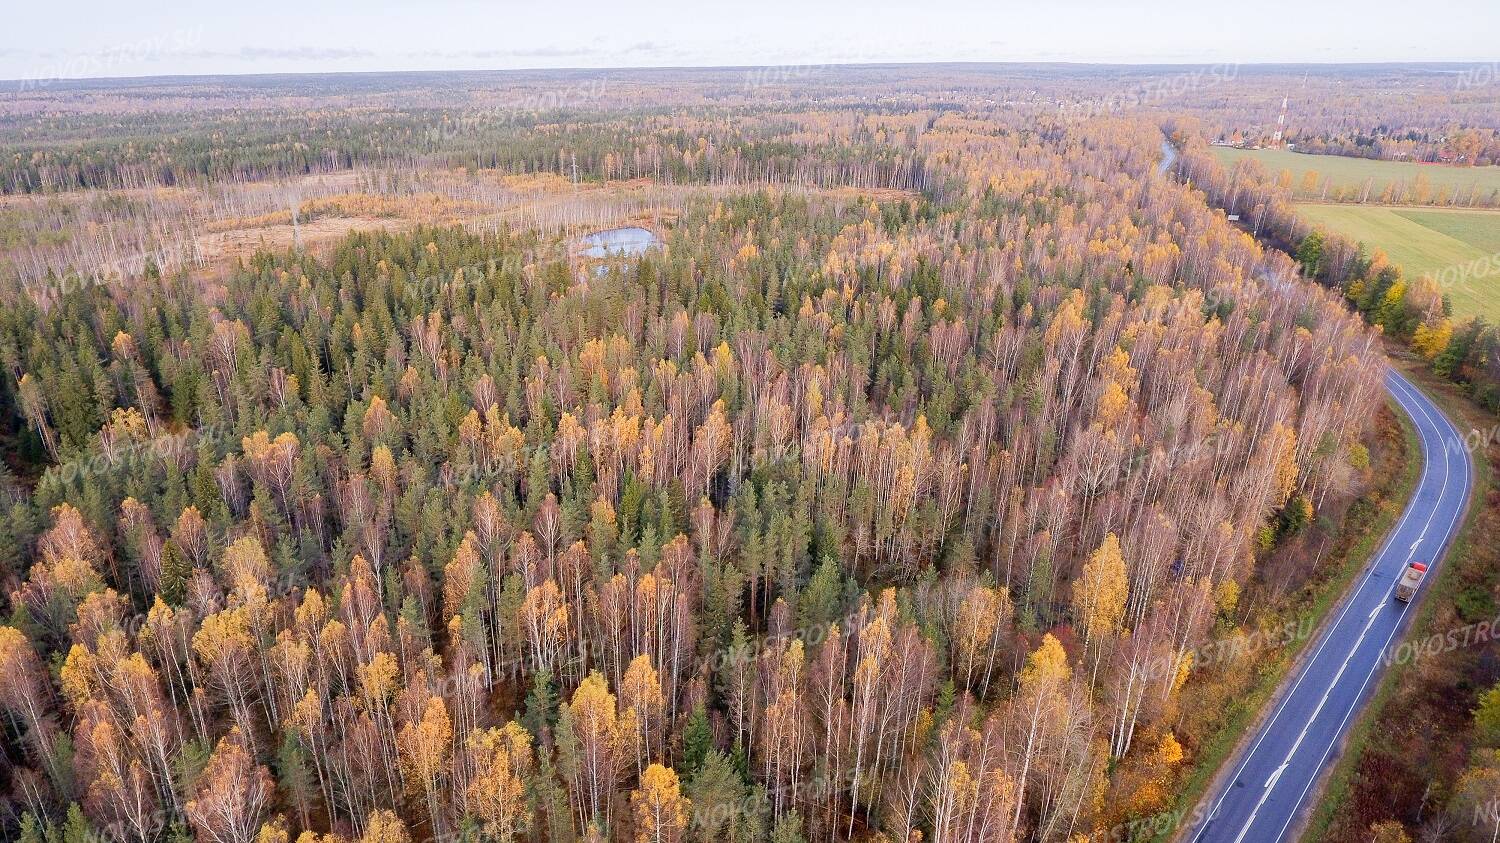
{"type": "Point", "coordinates": [1458, 249]}
{"type": "Point", "coordinates": [1363, 180]}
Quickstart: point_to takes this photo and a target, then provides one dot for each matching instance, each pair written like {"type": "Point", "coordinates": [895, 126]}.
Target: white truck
{"type": "Point", "coordinates": [1411, 580]}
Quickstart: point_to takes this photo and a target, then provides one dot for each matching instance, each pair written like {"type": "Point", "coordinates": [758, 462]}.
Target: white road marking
{"type": "Point", "coordinates": [1442, 431]}
{"type": "Point", "coordinates": [1328, 631]}
{"type": "Point", "coordinates": [1301, 736]}
{"type": "Point", "coordinates": [1466, 484]}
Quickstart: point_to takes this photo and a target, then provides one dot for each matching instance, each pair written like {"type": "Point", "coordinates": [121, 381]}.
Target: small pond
{"type": "Point", "coordinates": [629, 242]}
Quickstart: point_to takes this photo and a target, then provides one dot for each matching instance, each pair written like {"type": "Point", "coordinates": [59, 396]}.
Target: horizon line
{"type": "Point", "coordinates": [60, 80]}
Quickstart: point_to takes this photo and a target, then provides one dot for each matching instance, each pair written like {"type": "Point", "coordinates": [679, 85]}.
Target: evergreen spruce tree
{"type": "Point", "coordinates": [697, 741]}
{"type": "Point", "coordinates": [175, 571]}
{"type": "Point", "coordinates": [541, 704]}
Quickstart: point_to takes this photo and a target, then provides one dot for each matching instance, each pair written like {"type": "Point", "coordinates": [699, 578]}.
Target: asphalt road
{"type": "Point", "coordinates": [1275, 772]}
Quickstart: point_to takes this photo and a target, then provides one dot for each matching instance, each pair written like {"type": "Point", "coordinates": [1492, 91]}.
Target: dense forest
{"type": "Point", "coordinates": [892, 513]}
{"type": "Point", "coordinates": [946, 472]}
{"type": "Point", "coordinates": [70, 134]}
{"type": "Point", "coordinates": [587, 145]}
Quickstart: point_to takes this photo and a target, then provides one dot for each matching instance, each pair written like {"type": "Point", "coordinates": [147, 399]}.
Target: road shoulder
{"type": "Point", "coordinates": [1334, 789]}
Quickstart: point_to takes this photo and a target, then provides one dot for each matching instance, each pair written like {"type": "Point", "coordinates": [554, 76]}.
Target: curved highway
{"type": "Point", "coordinates": [1274, 774]}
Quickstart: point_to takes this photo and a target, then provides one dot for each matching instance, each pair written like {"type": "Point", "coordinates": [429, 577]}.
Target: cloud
{"type": "Point", "coordinates": [275, 53]}
{"type": "Point", "coordinates": [551, 52]}
{"type": "Point", "coordinates": [547, 51]}
{"type": "Point", "coordinates": [304, 53]}
{"type": "Point", "coordinates": [491, 54]}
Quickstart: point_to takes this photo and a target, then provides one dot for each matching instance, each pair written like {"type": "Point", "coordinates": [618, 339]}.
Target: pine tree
{"type": "Point", "coordinates": [76, 827]}
{"type": "Point", "coordinates": [175, 571]}
{"type": "Point", "coordinates": [819, 602]}
{"type": "Point", "coordinates": [718, 795]}
{"type": "Point", "coordinates": [1310, 254]}
{"type": "Point", "coordinates": [697, 741]}
{"type": "Point", "coordinates": [31, 829]}
{"type": "Point", "coordinates": [295, 778]}
{"type": "Point", "coordinates": [788, 829]}
{"type": "Point", "coordinates": [541, 704]}
{"type": "Point", "coordinates": [550, 797]}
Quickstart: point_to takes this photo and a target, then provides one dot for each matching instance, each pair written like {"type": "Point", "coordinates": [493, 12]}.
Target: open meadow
{"type": "Point", "coordinates": [1460, 249]}
{"type": "Point", "coordinates": [1337, 178]}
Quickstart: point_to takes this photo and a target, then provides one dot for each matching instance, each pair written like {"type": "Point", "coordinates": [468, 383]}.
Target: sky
{"type": "Point", "coordinates": [105, 38]}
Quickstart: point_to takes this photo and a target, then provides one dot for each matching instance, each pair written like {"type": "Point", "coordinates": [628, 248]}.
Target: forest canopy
{"type": "Point", "coordinates": [891, 495]}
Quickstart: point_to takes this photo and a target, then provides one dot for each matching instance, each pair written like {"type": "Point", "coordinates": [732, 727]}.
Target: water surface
{"type": "Point", "coordinates": [629, 242]}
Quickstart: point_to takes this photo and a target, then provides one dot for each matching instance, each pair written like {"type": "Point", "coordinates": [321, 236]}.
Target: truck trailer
{"type": "Point", "coordinates": [1411, 580]}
